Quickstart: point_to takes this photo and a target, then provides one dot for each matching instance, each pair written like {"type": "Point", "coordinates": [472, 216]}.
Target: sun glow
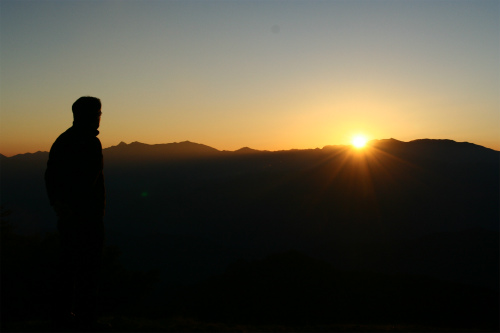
{"type": "Point", "coordinates": [359, 141]}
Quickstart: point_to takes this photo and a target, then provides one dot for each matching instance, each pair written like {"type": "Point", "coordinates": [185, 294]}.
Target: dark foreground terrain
{"type": "Point", "coordinates": [131, 324]}
{"type": "Point", "coordinates": [401, 236]}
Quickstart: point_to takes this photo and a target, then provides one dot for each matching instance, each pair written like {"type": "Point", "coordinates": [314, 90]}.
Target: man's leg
{"type": "Point", "coordinates": [64, 282]}
{"type": "Point", "coordinates": [88, 271]}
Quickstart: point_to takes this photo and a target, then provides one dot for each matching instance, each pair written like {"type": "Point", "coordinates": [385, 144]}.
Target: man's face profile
{"type": "Point", "coordinates": [98, 119]}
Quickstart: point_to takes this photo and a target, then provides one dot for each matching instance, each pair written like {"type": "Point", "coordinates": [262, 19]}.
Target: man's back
{"type": "Point", "coordinates": [74, 174]}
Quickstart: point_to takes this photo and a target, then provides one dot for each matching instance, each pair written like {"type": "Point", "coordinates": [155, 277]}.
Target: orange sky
{"type": "Point", "coordinates": [268, 75]}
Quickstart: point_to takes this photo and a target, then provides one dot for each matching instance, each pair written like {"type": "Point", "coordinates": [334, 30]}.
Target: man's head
{"type": "Point", "coordinates": [87, 111]}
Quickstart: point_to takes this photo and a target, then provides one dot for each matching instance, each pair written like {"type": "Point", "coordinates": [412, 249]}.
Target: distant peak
{"type": "Point", "coordinates": [163, 151]}
{"type": "Point", "coordinates": [246, 150]}
{"type": "Point", "coordinates": [432, 140]}
{"type": "Point", "coordinates": [333, 147]}
{"type": "Point", "coordinates": [391, 140]}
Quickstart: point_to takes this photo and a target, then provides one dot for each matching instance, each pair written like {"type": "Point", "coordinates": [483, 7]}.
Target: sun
{"type": "Point", "coordinates": [359, 141]}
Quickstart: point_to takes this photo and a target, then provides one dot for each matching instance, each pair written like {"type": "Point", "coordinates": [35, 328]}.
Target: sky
{"type": "Point", "coordinates": [268, 75]}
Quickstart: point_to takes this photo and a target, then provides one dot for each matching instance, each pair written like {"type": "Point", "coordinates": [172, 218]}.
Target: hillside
{"type": "Point", "coordinates": [387, 190]}
{"type": "Point", "coordinates": [421, 208]}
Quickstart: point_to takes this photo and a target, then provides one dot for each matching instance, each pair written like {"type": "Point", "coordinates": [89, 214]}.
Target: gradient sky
{"type": "Point", "coordinates": [265, 74]}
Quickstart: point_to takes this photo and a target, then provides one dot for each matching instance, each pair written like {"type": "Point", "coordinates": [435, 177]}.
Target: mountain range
{"type": "Point", "coordinates": [189, 149]}
{"type": "Point", "coordinates": [395, 232]}
{"type": "Point", "coordinates": [429, 206]}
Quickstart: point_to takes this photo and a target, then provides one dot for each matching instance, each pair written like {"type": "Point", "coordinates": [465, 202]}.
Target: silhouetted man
{"type": "Point", "coordinates": [75, 187]}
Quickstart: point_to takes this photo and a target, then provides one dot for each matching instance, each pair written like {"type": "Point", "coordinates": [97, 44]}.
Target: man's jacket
{"type": "Point", "coordinates": [74, 175]}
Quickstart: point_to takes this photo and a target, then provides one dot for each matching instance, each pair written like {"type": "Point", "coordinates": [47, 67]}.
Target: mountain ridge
{"type": "Point", "coordinates": [184, 148]}
{"type": "Point", "coordinates": [346, 205]}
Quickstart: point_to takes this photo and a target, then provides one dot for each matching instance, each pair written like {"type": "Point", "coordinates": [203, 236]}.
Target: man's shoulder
{"type": "Point", "coordinates": [63, 138]}
{"type": "Point", "coordinates": [75, 139]}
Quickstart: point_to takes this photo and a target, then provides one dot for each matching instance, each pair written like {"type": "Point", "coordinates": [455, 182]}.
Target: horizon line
{"type": "Point", "coordinates": [264, 150]}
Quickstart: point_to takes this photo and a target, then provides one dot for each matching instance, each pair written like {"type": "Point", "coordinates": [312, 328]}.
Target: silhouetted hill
{"type": "Point", "coordinates": [335, 147]}
{"type": "Point", "coordinates": [433, 149]}
{"type": "Point", "coordinates": [443, 150]}
{"type": "Point", "coordinates": [160, 152]}
{"type": "Point", "coordinates": [28, 157]}
{"type": "Point", "coordinates": [247, 150]}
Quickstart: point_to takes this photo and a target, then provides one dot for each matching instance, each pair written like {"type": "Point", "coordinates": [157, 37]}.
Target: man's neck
{"type": "Point", "coordinates": [85, 127]}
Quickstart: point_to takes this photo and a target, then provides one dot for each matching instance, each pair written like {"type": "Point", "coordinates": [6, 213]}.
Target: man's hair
{"type": "Point", "coordinates": [86, 108]}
